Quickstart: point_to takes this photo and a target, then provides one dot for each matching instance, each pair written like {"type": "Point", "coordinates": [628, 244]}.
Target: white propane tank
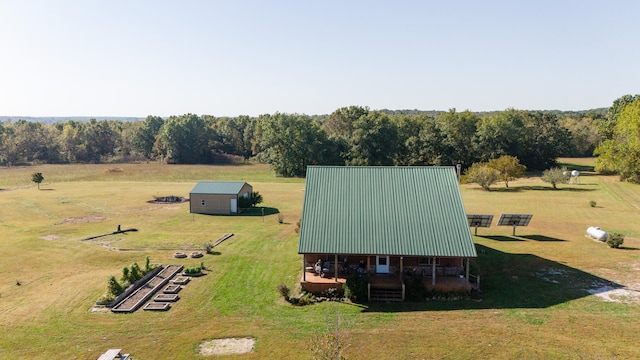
{"type": "Point", "coordinates": [596, 233]}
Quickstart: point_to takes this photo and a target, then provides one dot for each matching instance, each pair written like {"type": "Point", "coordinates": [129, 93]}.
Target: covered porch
{"type": "Point", "coordinates": [385, 274]}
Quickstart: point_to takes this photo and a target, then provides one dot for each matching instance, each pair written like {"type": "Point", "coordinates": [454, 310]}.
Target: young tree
{"type": "Point", "coordinates": [114, 288]}
{"type": "Point", "coordinates": [37, 178]}
{"type": "Point", "coordinates": [555, 176]}
{"type": "Point", "coordinates": [509, 168]}
{"type": "Point", "coordinates": [126, 276]}
{"type": "Point", "coordinates": [482, 174]}
{"type": "Point", "coordinates": [135, 274]}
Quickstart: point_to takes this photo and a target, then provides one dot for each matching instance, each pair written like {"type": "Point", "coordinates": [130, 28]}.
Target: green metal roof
{"type": "Point", "coordinates": [217, 187]}
{"type": "Point", "coordinates": [378, 210]}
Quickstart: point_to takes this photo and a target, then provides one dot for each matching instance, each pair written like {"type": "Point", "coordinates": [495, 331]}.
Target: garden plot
{"type": "Point", "coordinates": [146, 291]}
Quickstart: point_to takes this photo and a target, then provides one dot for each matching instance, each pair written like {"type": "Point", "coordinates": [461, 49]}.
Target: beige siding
{"type": "Point", "coordinates": [246, 190]}
{"type": "Point", "coordinates": [217, 203]}
{"type": "Point", "coordinates": [213, 204]}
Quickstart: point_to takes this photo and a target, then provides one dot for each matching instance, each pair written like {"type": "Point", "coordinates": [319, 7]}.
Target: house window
{"type": "Point", "coordinates": [428, 261]}
{"type": "Point", "coordinates": [203, 202]}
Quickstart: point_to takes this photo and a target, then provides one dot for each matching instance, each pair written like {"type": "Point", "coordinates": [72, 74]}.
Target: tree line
{"type": "Point", "coordinates": [351, 135]}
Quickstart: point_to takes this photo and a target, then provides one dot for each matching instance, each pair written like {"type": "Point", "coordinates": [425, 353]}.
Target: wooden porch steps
{"type": "Point", "coordinates": [386, 294]}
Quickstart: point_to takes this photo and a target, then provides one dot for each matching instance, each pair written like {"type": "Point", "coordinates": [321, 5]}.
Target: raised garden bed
{"type": "Point", "coordinates": [157, 306]}
{"type": "Point", "coordinates": [172, 289]}
{"type": "Point", "coordinates": [166, 298]}
{"type": "Point", "coordinates": [181, 280]}
{"type": "Point", "coordinates": [147, 290]}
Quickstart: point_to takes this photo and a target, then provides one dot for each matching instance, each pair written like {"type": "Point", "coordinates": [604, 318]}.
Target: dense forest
{"type": "Point", "coordinates": [289, 142]}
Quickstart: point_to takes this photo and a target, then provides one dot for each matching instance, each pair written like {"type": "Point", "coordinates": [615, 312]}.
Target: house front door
{"type": "Point", "coordinates": [234, 205]}
{"type": "Point", "coordinates": [382, 264]}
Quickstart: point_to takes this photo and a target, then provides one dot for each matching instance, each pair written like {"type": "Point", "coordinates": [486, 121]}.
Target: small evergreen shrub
{"type": "Point", "coordinates": [284, 291]}
{"type": "Point", "coordinates": [208, 248]}
{"type": "Point", "coordinates": [415, 289]}
{"type": "Point", "coordinates": [135, 273]}
{"type": "Point", "coordinates": [615, 240]}
{"type": "Point", "coordinates": [280, 219]}
{"type": "Point", "coordinates": [592, 203]}
{"type": "Point", "coordinates": [355, 289]}
{"type": "Point", "coordinates": [147, 265]}
{"type": "Point", "coordinates": [114, 288]}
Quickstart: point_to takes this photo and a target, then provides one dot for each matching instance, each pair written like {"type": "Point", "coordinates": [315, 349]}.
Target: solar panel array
{"type": "Point", "coordinates": [484, 220]}
{"type": "Point", "coordinates": [514, 219]}
{"type": "Point", "coordinates": [479, 220]}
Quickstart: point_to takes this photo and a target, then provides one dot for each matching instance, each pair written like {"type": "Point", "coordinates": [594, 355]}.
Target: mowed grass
{"type": "Point", "coordinates": [535, 306]}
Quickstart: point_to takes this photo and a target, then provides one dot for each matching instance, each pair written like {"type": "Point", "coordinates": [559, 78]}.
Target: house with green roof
{"type": "Point", "coordinates": [386, 223]}
{"type": "Point", "coordinates": [218, 197]}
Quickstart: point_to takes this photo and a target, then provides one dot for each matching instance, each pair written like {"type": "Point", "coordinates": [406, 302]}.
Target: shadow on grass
{"type": "Point", "coordinates": [256, 211]}
{"type": "Point", "coordinates": [125, 231]}
{"type": "Point", "coordinates": [628, 248]}
{"type": "Point", "coordinates": [540, 238]}
{"type": "Point", "coordinates": [515, 281]}
{"type": "Point", "coordinates": [562, 187]}
{"type": "Point", "coordinates": [500, 238]}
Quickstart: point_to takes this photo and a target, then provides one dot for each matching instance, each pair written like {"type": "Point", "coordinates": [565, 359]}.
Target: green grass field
{"type": "Point", "coordinates": [537, 303]}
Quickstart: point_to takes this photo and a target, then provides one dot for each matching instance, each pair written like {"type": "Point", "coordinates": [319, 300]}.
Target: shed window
{"type": "Point", "coordinates": [428, 261]}
{"type": "Point", "coordinates": [203, 202]}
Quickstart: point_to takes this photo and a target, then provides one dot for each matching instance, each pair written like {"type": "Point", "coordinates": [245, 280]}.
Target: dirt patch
{"type": "Point", "coordinates": [100, 309]}
{"type": "Point", "coordinates": [82, 220]}
{"type": "Point", "coordinates": [226, 346]}
{"type": "Point", "coordinates": [50, 237]}
{"type": "Point", "coordinates": [627, 289]}
{"type": "Point", "coordinates": [618, 295]}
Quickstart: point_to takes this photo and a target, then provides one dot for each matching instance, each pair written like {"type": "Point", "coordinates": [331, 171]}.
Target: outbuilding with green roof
{"type": "Point", "coordinates": [386, 222]}
{"type": "Point", "coordinates": [218, 197]}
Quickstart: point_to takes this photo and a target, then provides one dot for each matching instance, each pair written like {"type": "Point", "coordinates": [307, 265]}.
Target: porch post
{"type": "Point", "coordinates": [368, 264]}
{"type": "Point", "coordinates": [304, 267]}
{"type": "Point", "coordinates": [467, 272]}
{"type": "Point", "coordinates": [401, 266]}
{"type": "Point", "coordinates": [335, 261]}
{"type": "Point", "coordinates": [433, 271]}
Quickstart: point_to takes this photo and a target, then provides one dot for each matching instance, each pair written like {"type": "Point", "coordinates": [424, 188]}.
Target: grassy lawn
{"type": "Point", "coordinates": [536, 284]}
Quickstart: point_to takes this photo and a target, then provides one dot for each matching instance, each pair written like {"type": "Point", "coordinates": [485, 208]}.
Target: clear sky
{"type": "Point", "coordinates": [233, 57]}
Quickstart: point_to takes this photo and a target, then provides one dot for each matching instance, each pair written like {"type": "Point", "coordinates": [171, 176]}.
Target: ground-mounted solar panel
{"type": "Point", "coordinates": [479, 220]}
{"type": "Point", "coordinates": [514, 220]}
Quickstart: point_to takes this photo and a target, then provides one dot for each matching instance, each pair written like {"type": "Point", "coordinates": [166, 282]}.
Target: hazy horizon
{"type": "Point", "coordinates": [133, 59]}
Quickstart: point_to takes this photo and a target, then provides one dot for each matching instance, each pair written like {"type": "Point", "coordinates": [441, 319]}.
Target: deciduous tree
{"type": "Point", "coordinates": [374, 140]}
{"type": "Point", "coordinates": [556, 176]}
{"type": "Point", "coordinates": [289, 143]}
{"type": "Point", "coordinates": [482, 174]}
{"type": "Point", "coordinates": [508, 167]}
{"type": "Point", "coordinates": [37, 178]}
{"type": "Point", "coordinates": [621, 153]}
{"type": "Point", "coordinates": [146, 135]}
